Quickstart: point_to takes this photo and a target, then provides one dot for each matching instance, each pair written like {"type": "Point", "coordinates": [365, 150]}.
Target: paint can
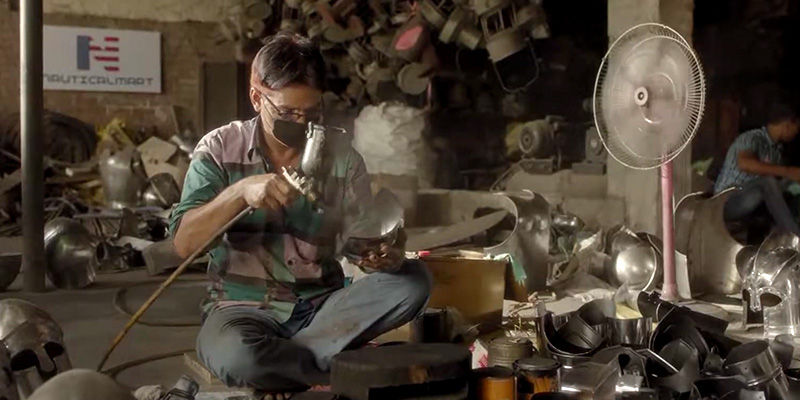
{"type": "Point", "coordinates": [537, 375]}
{"type": "Point", "coordinates": [494, 383]}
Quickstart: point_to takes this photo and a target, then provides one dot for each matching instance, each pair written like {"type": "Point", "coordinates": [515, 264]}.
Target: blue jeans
{"type": "Point", "coordinates": [764, 190]}
{"type": "Point", "coordinates": [245, 346]}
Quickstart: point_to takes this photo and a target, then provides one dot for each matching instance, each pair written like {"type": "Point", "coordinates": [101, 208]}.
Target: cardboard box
{"type": "Point", "coordinates": [474, 287]}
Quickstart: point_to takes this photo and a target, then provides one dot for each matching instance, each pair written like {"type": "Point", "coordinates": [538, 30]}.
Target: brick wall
{"type": "Point", "coordinates": [156, 10]}
{"type": "Point", "coordinates": [184, 47]}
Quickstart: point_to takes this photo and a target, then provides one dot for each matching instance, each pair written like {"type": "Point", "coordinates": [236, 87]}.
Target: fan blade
{"type": "Point", "coordinates": [634, 67]}
{"type": "Point", "coordinates": [626, 120]}
{"type": "Point", "coordinates": [656, 52]}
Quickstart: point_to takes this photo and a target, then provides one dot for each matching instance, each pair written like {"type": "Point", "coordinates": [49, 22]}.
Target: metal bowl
{"type": "Point", "coordinates": [620, 238]}
{"type": "Point", "coordinates": [636, 262]}
{"type": "Point", "coordinates": [376, 219]}
{"type": "Point", "coordinates": [638, 267]}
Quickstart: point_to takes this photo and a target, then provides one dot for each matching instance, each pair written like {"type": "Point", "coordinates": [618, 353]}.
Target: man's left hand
{"type": "Point", "coordinates": [387, 257]}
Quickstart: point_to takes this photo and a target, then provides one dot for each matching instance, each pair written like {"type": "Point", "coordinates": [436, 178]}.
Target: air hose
{"type": "Point", "coordinates": [181, 268]}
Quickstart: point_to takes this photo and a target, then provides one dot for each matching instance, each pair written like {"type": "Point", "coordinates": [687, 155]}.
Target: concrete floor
{"type": "Point", "coordinates": [90, 322]}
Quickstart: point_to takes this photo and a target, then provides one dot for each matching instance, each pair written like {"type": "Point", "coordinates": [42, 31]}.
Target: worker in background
{"type": "Point", "coordinates": [754, 163]}
{"type": "Point", "coordinates": [278, 310]}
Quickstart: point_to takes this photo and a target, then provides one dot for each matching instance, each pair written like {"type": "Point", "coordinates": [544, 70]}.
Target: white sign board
{"type": "Point", "coordinates": [102, 60]}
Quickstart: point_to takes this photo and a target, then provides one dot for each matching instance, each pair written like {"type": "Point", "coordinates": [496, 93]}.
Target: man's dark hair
{"type": "Point", "coordinates": [287, 58]}
{"type": "Point", "coordinates": [780, 112]}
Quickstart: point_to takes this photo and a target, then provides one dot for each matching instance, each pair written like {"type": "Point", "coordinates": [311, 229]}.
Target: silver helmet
{"type": "Point", "coordinates": [774, 286]}
{"type": "Point", "coordinates": [34, 343]}
{"type": "Point", "coordinates": [8, 389]}
{"type": "Point", "coordinates": [71, 253]}
{"type": "Point", "coordinates": [81, 384]}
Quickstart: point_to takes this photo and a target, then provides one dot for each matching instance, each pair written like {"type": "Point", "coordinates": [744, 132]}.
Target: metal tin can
{"type": "Point", "coordinates": [430, 327]}
{"type": "Point", "coordinates": [503, 351]}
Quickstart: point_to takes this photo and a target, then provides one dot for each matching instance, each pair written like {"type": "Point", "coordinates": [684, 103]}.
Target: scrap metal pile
{"type": "Point", "coordinates": [617, 259]}
{"type": "Point", "coordinates": [547, 247]}
{"type": "Point", "coordinates": [672, 350]}
{"type": "Point", "coordinates": [107, 200]}
{"type": "Point", "coordinates": [685, 356]}
{"type": "Point", "coordinates": [587, 354]}
{"type": "Point", "coordinates": [381, 48]}
{"type": "Point", "coordinates": [765, 274]}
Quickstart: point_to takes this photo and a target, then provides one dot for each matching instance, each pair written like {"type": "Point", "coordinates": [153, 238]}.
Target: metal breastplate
{"type": "Point", "coordinates": [711, 251]}
{"type": "Point", "coordinates": [123, 178]}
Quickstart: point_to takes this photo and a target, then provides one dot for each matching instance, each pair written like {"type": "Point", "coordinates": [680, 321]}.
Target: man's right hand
{"type": "Point", "coordinates": [270, 191]}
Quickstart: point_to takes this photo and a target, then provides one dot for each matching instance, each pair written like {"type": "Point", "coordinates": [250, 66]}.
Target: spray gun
{"type": "Point", "coordinates": [321, 142]}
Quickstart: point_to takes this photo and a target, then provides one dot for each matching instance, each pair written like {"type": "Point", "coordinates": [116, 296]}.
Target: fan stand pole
{"type": "Point", "coordinates": [670, 289]}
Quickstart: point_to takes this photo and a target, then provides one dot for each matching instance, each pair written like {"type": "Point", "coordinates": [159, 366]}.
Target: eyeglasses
{"type": "Point", "coordinates": [288, 114]}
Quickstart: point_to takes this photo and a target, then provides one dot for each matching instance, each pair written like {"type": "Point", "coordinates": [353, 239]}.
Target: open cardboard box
{"type": "Point", "coordinates": [475, 287]}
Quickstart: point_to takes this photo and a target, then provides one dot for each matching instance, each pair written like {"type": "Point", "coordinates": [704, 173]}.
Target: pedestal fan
{"type": "Point", "coordinates": [649, 98]}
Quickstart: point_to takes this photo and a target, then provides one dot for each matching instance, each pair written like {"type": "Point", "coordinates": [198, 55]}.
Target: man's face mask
{"type": "Point", "coordinates": [289, 125]}
{"type": "Point", "coordinates": [290, 133]}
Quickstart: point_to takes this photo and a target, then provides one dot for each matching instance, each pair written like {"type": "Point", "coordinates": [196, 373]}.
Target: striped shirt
{"type": "Point", "coordinates": [270, 260]}
{"type": "Point", "coordinates": [756, 141]}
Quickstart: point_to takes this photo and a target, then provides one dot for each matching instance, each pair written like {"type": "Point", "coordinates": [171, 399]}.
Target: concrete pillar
{"type": "Point", "coordinates": [640, 190]}
{"type": "Point", "coordinates": [679, 15]}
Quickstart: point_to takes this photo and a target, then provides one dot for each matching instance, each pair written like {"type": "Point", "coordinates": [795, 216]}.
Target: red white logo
{"type": "Point", "coordinates": [104, 50]}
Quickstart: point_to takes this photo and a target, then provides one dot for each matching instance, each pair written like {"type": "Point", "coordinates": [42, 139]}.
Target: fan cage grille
{"type": "Point", "coordinates": [694, 104]}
